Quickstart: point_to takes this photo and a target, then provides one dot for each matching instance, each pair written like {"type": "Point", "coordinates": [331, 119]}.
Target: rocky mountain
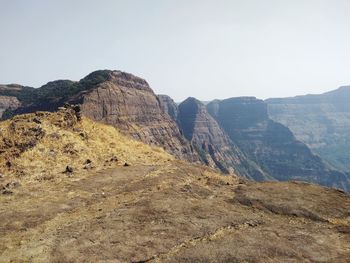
{"type": "Point", "coordinates": [120, 200]}
{"type": "Point", "coordinates": [271, 145]}
{"type": "Point", "coordinates": [9, 97]}
{"type": "Point", "coordinates": [8, 103]}
{"type": "Point", "coordinates": [234, 135]}
{"type": "Point", "coordinates": [321, 121]}
{"type": "Point", "coordinates": [169, 106]}
{"type": "Point", "coordinates": [213, 145]}
{"type": "Point", "coordinates": [116, 98]}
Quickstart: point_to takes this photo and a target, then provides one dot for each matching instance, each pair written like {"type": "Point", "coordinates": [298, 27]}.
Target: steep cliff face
{"type": "Point", "coordinates": [128, 103]}
{"type": "Point", "coordinates": [119, 99]}
{"type": "Point", "coordinates": [271, 145]}
{"type": "Point", "coordinates": [320, 121]}
{"type": "Point", "coordinates": [213, 145]}
{"type": "Point", "coordinates": [169, 106]}
{"type": "Point", "coordinates": [8, 97]}
{"type": "Point", "coordinates": [8, 103]}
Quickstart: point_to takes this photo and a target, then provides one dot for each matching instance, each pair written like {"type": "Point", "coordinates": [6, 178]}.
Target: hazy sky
{"type": "Point", "coordinates": [201, 48]}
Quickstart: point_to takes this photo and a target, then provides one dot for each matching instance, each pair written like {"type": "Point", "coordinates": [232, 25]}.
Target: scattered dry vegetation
{"type": "Point", "coordinates": [40, 146]}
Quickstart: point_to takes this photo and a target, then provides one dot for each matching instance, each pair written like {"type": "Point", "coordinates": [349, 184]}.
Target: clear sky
{"type": "Point", "coordinates": [202, 48]}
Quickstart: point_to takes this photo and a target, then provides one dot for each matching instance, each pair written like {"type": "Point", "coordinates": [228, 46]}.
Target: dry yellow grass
{"type": "Point", "coordinates": [52, 141]}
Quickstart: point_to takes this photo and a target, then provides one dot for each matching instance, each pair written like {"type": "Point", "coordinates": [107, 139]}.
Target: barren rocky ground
{"type": "Point", "coordinates": [173, 213]}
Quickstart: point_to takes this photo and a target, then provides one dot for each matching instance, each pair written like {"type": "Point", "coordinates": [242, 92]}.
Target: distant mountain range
{"type": "Point", "coordinates": [321, 121]}
{"type": "Point", "coordinates": [260, 140]}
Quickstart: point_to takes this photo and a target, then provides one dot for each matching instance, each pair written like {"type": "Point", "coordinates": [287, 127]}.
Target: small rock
{"type": "Point", "coordinates": [7, 192]}
{"type": "Point", "coordinates": [76, 108]}
{"type": "Point", "coordinates": [126, 164]}
{"type": "Point", "coordinates": [83, 135]}
{"type": "Point", "coordinates": [8, 164]}
{"type": "Point", "coordinates": [114, 159]}
{"type": "Point", "coordinates": [1, 175]}
{"type": "Point", "coordinates": [12, 185]}
{"type": "Point", "coordinates": [36, 120]}
{"type": "Point", "coordinates": [88, 166]}
{"type": "Point", "coordinates": [69, 169]}
{"type": "Point", "coordinates": [88, 161]}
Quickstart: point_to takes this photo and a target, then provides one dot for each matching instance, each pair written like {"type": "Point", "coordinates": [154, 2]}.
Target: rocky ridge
{"type": "Point", "coordinates": [116, 98]}
{"type": "Point", "coordinates": [214, 146]}
{"type": "Point", "coordinates": [271, 145]}
{"type": "Point", "coordinates": [155, 209]}
{"type": "Point", "coordinates": [320, 121]}
{"type": "Point", "coordinates": [236, 137]}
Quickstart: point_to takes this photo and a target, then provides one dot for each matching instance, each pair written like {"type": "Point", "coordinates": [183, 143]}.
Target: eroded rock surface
{"type": "Point", "coordinates": [214, 146]}
{"type": "Point", "coordinates": [127, 102]}
{"type": "Point", "coordinates": [8, 99]}
{"type": "Point", "coordinates": [321, 121]}
{"type": "Point", "coordinates": [169, 106]}
{"type": "Point", "coordinates": [271, 145]}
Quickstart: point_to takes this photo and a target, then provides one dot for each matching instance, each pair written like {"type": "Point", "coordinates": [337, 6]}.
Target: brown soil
{"type": "Point", "coordinates": [173, 213]}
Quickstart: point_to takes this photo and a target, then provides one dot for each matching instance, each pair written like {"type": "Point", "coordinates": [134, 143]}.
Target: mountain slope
{"type": "Point", "coordinates": [320, 121]}
{"type": "Point", "coordinates": [44, 144]}
{"type": "Point", "coordinates": [169, 106]}
{"type": "Point", "coordinates": [116, 98]}
{"type": "Point", "coordinates": [271, 145]}
{"type": "Point", "coordinates": [11, 97]}
{"type": "Point", "coordinates": [213, 145]}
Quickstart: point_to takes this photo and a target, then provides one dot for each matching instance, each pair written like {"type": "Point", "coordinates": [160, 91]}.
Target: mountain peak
{"type": "Point", "coordinates": [193, 100]}
{"type": "Point", "coordinates": [116, 76]}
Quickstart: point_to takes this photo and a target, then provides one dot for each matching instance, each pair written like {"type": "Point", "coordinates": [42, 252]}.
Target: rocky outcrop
{"type": "Point", "coordinates": [169, 106]}
{"type": "Point", "coordinates": [271, 145]}
{"type": "Point", "coordinates": [213, 145]}
{"type": "Point", "coordinates": [127, 102]}
{"type": "Point", "coordinates": [11, 96]}
{"type": "Point", "coordinates": [119, 99]}
{"type": "Point", "coordinates": [8, 103]}
{"type": "Point", "coordinates": [321, 121]}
